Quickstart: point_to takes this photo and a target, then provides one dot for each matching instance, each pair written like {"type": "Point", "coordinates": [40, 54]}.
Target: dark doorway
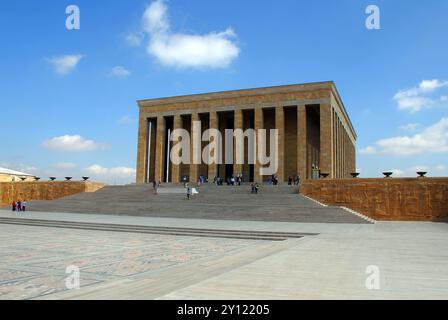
{"type": "Point", "coordinates": [167, 165]}
{"type": "Point", "coordinates": [248, 169]}
{"type": "Point", "coordinates": [226, 121]}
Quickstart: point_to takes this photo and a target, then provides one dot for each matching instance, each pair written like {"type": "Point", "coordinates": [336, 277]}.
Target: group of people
{"type": "Point", "coordinates": [294, 180]}
{"type": "Point", "coordinates": [201, 180]}
{"type": "Point", "coordinates": [273, 180]}
{"type": "Point", "coordinates": [218, 181]}
{"type": "Point", "coordinates": [254, 187]}
{"type": "Point", "coordinates": [234, 180]}
{"type": "Point", "coordinates": [19, 206]}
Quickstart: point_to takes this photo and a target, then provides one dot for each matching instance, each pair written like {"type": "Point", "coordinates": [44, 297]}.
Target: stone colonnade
{"type": "Point", "coordinates": [315, 133]}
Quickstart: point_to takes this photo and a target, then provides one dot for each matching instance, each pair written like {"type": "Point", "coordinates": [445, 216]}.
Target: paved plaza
{"type": "Point", "coordinates": [328, 262]}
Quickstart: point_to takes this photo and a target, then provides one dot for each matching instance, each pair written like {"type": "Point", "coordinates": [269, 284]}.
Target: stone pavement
{"type": "Point", "coordinates": [412, 260]}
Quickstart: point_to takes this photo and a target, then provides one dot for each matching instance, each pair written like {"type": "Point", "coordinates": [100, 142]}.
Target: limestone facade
{"type": "Point", "coordinates": [314, 131]}
{"type": "Point", "coordinates": [8, 175]}
{"type": "Point", "coordinates": [390, 199]}
{"type": "Point", "coordinates": [43, 190]}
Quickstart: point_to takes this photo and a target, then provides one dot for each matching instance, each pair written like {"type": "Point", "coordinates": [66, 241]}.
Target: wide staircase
{"type": "Point", "coordinates": [272, 203]}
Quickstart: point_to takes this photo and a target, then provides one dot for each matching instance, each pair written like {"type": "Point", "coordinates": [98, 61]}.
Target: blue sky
{"type": "Point", "coordinates": [68, 98]}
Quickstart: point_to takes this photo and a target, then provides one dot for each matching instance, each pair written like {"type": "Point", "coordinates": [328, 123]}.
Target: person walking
{"type": "Point", "coordinates": [252, 188]}
{"type": "Point", "coordinates": [14, 206]}
{"type": "Point", "coordinates": [24, 205]}
{"type": "Point", "coordinates": [19, 206]}
{"type": "Point", "coordinates": [156, 186]}
{"type": "Point", "coordinates": [189, 192]}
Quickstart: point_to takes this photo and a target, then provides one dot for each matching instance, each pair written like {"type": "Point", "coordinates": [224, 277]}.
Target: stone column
{"type": "Point", "coordinates": [301, 142]}
{"type": "Point", "coordinates": [332, 144]}
{"type": "Point", "coordinates": [175, 169]}
{"type": "Point", "coordinates": [280, 126]}
{"type": "Point", "coordinates": [338, 150]}
{"type": "Point", "coordinates": [325, 158]}
{"type": "Point", "coordinates": [259, 124]}
{"type": "Point", "coordinates": [343, 152]}
{"type": "Point", "coordinates": [160, 149]}
{"type": "Point", "coordinates": [238, 124]}
{"type": "Point", "coordinates": [195, 149]}
{"type": "Point", "coordinates": [142, 150]}
{"type": "Point", "coordinates": [213, 168]}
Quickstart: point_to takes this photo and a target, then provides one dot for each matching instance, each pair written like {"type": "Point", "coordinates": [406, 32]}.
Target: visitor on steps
{"type": "Point", "coordinates": [156, 187]}
{"type": "Point", "coordinates": [19, 205]}
{"type": "Point", "coordinates": [14, 206]}
{"type": "Point", "coordinates": [188, 193]}
{"type": "Point", "coordinates": [298, 180]}
{"type": "Point", "coordinates": [24, 205]}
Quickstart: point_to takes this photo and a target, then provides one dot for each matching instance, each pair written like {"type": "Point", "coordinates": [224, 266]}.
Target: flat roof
{"type": "Point", "coordinates": [13, 172]}
{"type": "Point", "coordinates": [237, 92]}
{"type": "Point", "coordinates": [328, 85]}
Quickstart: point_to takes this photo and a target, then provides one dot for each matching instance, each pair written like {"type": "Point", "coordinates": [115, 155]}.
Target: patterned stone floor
{"type": "Point", "coordinates": [411, 260]}
{"type": "Point", "coordinates": [33, 260]}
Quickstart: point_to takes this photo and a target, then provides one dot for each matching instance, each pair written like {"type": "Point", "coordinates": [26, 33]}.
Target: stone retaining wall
{"type": "Point", "coordinates": [45, 190]}
{"type": "Point", "coordinates": [399, 199]}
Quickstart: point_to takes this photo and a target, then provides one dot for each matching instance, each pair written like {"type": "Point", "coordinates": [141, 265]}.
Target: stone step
{"type": "Point", "coordinates": [191, 232]}
{"type": "Point", "coordinates": [273, 203]}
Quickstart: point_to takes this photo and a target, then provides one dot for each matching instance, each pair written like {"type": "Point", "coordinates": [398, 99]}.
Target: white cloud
{"type": "Point", "coordinates": [120, 71]}
{"type": "Point", "coordinates": [431, 139]}
{"type": "Point", "coordinates": [134, 39]}
{"type": "Point", "coordinates": [440, 167]}
{"type": "Point", "coordinates": [20, 167]}
{"type": "Point", "coordinates": [116, 171]}
{"type": "Point", "coordinates": [65, 165]}
{"type": "Point", "coordinates": [397, 172]}
{"type": "Point", "coordinates": [122, 172]}
{"type": "Point", "coordinates": [74, 143]}
{"type": "Point", "coordinates": [111, 175]}
{"type": "Point", "coordinates": [155, 19]}
{"type": "Point", "coordinates": [65, 64]}
{"type": "Point", "coordinates": [96, 170]}
{"type": "Point", "coordinates": [126, 120]}
{"type": "Point", "coordinates": [367, 150]}
{"type": "Point", "coordinates": [428, 86]}
{"type": "Point", "coordinates": [410, 127]}
{"type": "Point", "coordinates": [421, 168]}
{"type": "Point", "coordinates": [213, 50]}
{"type": "Point", "coordinates": [415, 99]}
